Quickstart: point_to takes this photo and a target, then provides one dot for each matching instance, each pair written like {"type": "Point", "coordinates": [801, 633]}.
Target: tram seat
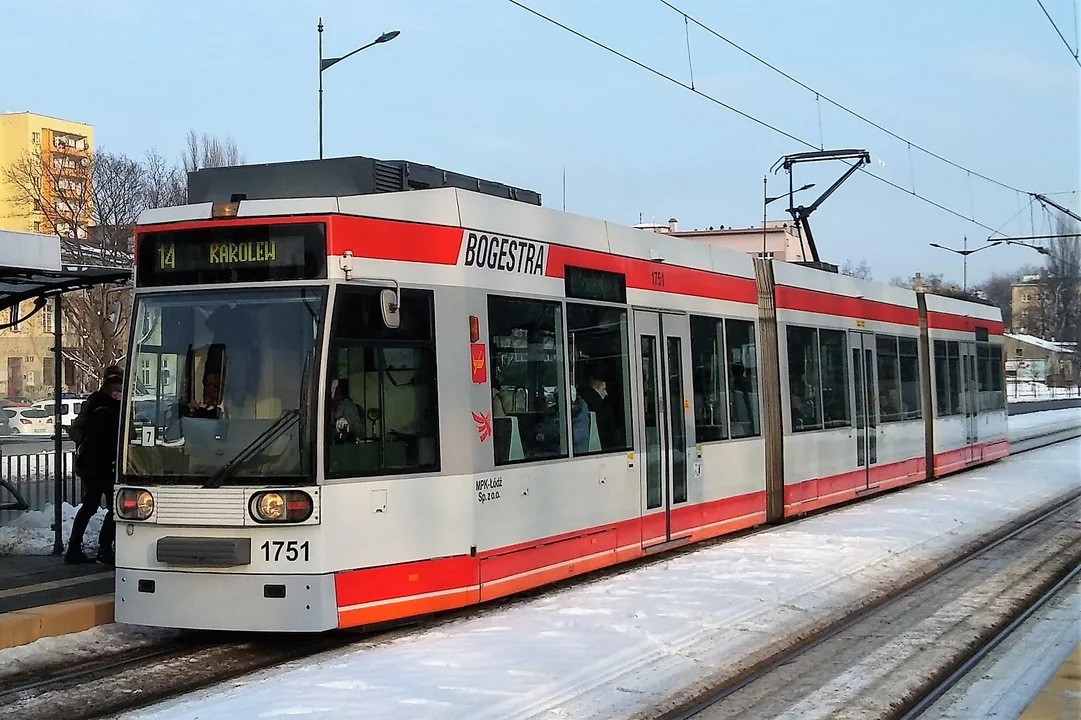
{"type": "Point", "coordinates": [594, 434]}
{"type": "Point", "coordinates": [508, 439]}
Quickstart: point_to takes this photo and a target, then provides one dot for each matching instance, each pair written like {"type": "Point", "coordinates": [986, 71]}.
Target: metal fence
{"type": "Point", "coordinates": [1034, 390]}
{"type": "Point", "coordinates": [32, 477]}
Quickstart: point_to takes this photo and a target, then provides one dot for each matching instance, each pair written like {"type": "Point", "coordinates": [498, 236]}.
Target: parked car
{"type": "Point", "coordinates": [71, 408]}
{"type": "Point", "coordinates": [29, 421]}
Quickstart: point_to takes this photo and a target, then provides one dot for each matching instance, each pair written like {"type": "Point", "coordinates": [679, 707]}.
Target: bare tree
{"type": "Point", "coordinates": [998, 289]}
{"type": "Point", "coordinates": [206, 151]}
{"type": "Point", "coordinates": [1063, 289]}
{"type": "Point", "coordinates": [861, 271]}
{"type": "Point", "coordinates": [56, 187]}
{"type": "Point", "coordinates": [165, 183]}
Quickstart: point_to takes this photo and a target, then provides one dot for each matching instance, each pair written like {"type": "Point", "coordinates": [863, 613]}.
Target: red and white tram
{"type": "Point", "coordinates": [348, 410]}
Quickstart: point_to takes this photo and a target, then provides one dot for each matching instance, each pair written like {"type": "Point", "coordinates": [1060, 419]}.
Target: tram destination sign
{"type": "Point", "coordinates": [232, 254]}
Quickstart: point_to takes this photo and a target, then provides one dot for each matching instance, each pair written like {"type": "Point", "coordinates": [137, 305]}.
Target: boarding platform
{"type": "Point", "coordinates": [41, 596]}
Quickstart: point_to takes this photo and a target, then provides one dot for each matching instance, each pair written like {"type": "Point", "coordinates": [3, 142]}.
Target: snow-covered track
{"type": "Point", "coordinates": [895, 657]}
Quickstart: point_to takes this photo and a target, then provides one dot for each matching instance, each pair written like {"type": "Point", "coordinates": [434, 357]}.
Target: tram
{"type": "Point", "coordinates": [355, 408]}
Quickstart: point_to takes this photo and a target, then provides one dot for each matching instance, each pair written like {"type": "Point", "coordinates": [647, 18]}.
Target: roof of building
{"type": "Point", "coordinates": [31, 267]}
{"type": "Point", "coordinates": [1050, 345]}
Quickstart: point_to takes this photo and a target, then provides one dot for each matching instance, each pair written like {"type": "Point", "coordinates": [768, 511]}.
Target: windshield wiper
{"type": "Point", "coordinates": [272, 433]}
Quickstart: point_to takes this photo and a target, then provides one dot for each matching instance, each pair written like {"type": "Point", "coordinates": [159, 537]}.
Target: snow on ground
{"type": "Point", "coordinates": [1013, 674]}
{"type": "Point", "coordinates": [31, 533]}
{"type": "Point", "coordinates": [101, 641]}
{"type": "Point", "coordinates": [1029, 423]}
{"type": "Point", "coordinates": [617, 645]}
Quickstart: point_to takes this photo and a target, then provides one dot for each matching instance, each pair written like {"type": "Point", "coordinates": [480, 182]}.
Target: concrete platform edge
{"type": "Point", "coordinates": [21, 627]}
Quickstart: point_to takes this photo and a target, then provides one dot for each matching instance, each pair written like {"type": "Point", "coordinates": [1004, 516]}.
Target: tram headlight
{"type": "Point", "coordinates": [281, 506]}
{"type": "Point", "coordinates": [271, 507]}
{"type": "Point", "coordinates": [134, 504]}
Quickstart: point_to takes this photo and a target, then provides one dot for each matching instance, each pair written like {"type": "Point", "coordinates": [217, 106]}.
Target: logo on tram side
{"type": "Point", "coordinates": [491, 252]}
{"type": "Point", "coordinates": [484, 425]}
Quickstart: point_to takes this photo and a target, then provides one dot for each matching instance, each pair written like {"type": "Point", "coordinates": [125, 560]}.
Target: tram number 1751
{"type": "Point", "coordinates": [272, 550]}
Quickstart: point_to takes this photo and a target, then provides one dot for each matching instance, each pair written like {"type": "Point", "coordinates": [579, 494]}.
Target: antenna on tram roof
{"type": "Point", "coordinates": [564, 188]}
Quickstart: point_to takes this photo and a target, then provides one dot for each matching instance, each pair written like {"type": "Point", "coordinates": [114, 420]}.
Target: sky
{"type": "Point", "coordinates": [484, 88]}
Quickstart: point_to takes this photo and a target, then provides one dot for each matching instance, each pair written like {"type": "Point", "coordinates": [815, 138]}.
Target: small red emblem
{"type": "Point", "coordinates": [484, 425]}
{"type": "Point", "coordinates": [478, 363]}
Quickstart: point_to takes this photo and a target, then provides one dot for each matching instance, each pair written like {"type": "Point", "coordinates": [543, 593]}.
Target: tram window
{"type": "Point", "coordinates": [529, 419]}
{"type": "Point", "coordinates": [911, 402]}
{"type": "Point", "coordinates": [803, 379]}
{"type": "Point", "coordinates": [942, 379]}
{"type": "Point", "coordinates": [833, 346]}
{"type": "Point", "coordinates": [742, 378]}
{"type": "Point", "coordinates": [889, 385]}
{"type": "Point", "coordinates": [953, 361]}
{"type": "Point", "coordinates": [983, 375]}
{"type": "Point", "coordinates": [708, 378]}
{"type": "Point", "coordinates": [600, 379]}
{"type": "Point", "coordinates": [996, 378]}
{"type": "Point", "coordinates": [382, 409]}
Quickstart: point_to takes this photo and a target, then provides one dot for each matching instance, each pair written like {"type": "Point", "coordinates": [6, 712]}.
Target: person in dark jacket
{"type": "Point", "coordinates": [96, 432]}
{"type": "Point", "coordinates": [594, 394]}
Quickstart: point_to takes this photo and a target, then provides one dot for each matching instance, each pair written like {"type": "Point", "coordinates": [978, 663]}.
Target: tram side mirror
{"type": "Point", "coordinates": [388, 304]}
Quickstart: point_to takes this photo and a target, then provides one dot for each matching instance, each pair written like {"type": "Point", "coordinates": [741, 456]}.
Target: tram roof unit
{"type": "Point", "coordinates": [335, 177]}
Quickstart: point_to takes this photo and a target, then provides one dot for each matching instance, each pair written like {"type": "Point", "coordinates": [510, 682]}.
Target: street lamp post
{"type": "Point", "coordinates": [964, 253]}
{"type": "Point", "coordinates": [325, 63]}
{"type": "Point", "coordinates": [766, 200]}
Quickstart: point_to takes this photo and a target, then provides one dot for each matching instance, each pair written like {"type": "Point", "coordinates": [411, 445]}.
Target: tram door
{"type": "Point", "coordinates": [865, 390]}
{"type": "Point", "coordinates": [970, 395]}
{"type": "Point", "coordinates": [667, 456]}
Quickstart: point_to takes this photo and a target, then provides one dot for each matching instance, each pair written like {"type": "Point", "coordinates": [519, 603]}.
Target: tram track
{"type": "Point", "coordinates": [103, 686]}
{"type": "Point", "coordinates": [106, 686]}
{"type": "Point", "coordinates": [933, 693]}
{"type": "Point", "coordinates": [895, 655]}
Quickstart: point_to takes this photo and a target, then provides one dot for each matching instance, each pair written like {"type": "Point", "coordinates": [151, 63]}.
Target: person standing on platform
{"type": "Point", "coordinates": [96, 433]}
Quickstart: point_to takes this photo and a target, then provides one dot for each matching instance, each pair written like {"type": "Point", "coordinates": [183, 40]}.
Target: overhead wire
{"type": "Point", "coordinates": [1073, 52]}
{"type": "Point", "coordinates": [835, 103]}
{"type": "Point", "coordinates": [748, 116]}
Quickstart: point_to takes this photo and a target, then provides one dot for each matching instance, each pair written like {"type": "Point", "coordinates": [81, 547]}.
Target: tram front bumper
{"type": "Point", "coordinates": [226, 601]}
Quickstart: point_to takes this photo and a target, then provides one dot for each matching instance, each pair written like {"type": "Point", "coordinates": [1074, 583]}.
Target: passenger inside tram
{"type": "Point", "coordinates": [592, 399]}
{"type": "Point", "coordinates": [346, 416]}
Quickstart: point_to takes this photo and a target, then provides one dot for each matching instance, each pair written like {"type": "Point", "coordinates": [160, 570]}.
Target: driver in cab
{"type": "Point", "coordinates": [344, 413]}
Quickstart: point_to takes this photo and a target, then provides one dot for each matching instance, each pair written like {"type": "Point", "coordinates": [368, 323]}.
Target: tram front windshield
{"type": "Point", "coordinates": [222, 387]}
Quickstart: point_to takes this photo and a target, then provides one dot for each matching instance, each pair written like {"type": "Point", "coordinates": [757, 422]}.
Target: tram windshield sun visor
{"type": "Point", "coordinates": [215, 395]}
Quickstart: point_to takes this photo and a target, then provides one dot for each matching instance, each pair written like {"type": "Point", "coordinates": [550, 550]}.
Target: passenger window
{"type": "Point", "coordinates": [742, 378]}
{"type": "Point", "coordinates": [889, 385]}
{"type": "Point", "coordinates": [953, 361]}
{"type": "Point", "coordinates": [996, 378]}
{"type": "Point", "coordinates": [803, 379]}
{"type": "Point", "coordinates": [942, 379]}
{"type": "Point", "coordinates": [529, 419]}
{"type": "Point", "coordinates": [709, 379]}
{"type": "Point", "coordinates": [382, 409]}
{"type": "Point", "coordinates": [983, 375]}
{"type": "Point", "coordinates": [600, 379]}
{"type": "Point", "coordinates": [911, 401]}
{"type": "Point", "coordinates": [834, 353]}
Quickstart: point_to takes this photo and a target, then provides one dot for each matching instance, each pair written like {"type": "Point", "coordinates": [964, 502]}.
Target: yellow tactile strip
{"type": "Point", "coordinates": [20, 627]}
{"type": "Point", "coordinates": [1061, 697]}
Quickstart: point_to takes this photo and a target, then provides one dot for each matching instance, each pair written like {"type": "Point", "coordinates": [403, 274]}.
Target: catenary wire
{"type": "Point", "coordinates": [743, 114]}
{"type": "Point", "coordinates": [1050, 19]}
{"type": "Point", "coordinates": [835, 103]}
